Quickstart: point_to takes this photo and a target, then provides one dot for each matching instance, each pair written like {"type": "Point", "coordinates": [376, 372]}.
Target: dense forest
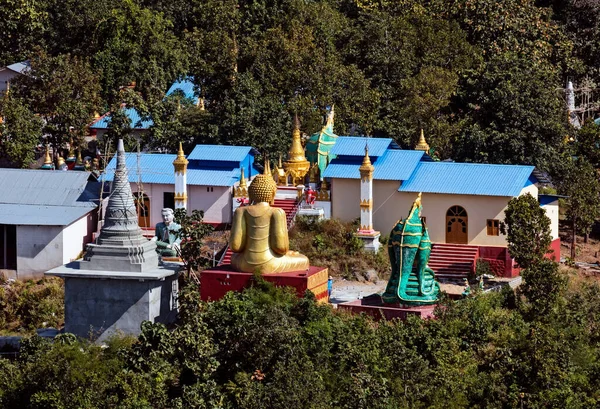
{"type": "Point", "coordinates": [483, 78]}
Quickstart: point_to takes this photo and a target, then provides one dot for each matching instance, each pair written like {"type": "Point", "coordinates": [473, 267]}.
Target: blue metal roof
{"type": "Point", "coordinates": [355, 146]}
{"type": "Point", "coordinates": [154, 168]}
{"type": "Point", "coordinates": [393, 165]}
{"type": "Point", "coordinates": [134, 117]}
{"type": "Point", "coordinates": [186, 86]}
{"type": "Point", "coordinates": [222, 153]}
{"type": "Point", "coordinates": [468, 179]}
{"type": "Point", "coordinates": [158, 168]}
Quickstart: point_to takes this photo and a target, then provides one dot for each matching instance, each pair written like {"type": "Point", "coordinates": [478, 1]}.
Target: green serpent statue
{"type": "Point", "coordinates": [412, 282]}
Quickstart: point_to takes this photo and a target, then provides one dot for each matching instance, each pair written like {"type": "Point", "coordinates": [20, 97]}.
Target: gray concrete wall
{"type": "Point", "coordinates": [39, 248]}
{"type": "Point", "coordinates": [97, 308]}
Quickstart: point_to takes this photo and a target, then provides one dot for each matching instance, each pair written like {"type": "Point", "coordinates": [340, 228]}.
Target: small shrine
{"type": "Point", "coordinates": [119, 283]}
{"type": "Point", "coordinates": [296, 166]}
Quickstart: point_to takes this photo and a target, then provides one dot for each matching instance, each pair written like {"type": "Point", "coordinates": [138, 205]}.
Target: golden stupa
{"type": "Point", "coordinates": [297, 166]}
{"type": "Point", "coordinates": [422, 145]}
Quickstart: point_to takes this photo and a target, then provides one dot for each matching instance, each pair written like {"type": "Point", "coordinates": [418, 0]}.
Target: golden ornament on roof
{"type": "Point", "coordinates": [297, 165]}
{"type": "Point", "coordinates": [422, 145]}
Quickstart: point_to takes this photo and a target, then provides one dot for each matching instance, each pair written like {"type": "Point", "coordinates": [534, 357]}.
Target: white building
{"type": "Point", "coordinates": [9, 72]}
{"type": "Point", "coordinates": [46, 219]}
{"type": "Point", "coordinates": [213, 172]}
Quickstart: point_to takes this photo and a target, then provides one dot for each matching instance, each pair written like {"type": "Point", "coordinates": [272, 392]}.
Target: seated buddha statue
{"type": "Point", "coordinates": [259, 236]}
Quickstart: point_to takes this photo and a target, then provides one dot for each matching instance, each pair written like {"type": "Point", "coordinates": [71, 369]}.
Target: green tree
{"type": "Point", "coordinates": [192, 233]}
{"type": "Point", "coordinates": [23, 24]}
{"type": "Point", "coordinates": [528, 230]}
{"type": "Point", "coordinates": [64, 92]}
{"type": "Point", "coordinates": [20, 132]}
{"type": "Point", "coordinates": [580, 183]}
{"type": "Point", "coordinates": [542, 286]}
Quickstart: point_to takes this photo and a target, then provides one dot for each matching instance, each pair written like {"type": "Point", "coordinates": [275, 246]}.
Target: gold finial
{"type": "Point", "coordinates": [60, 161]}
{"type": "Point", "coordinates": [79, 160]}
{"type": "Point", "coordinates": [422, 145]}
{"type": "Point", "coordinates": [366, 164]}
{"type": "Point", "coordinates": [418, 199]}
{"type": "Point", "coordinates": [180, 163]}
{"type": "Point", "coordinates": [48, 159]}
{"type": "Point", "coordinates": [280, 165]}
{"type": "Point", "coordinates": [242, 179]}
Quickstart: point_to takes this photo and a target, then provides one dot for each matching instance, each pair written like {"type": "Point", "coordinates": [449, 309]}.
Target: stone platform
{"type": "Point", "coordinates": [101, 303]}
{"type": "Point", "coordinates": [217, 281]}
{"type": "Point", "coordinates": [376, 308]}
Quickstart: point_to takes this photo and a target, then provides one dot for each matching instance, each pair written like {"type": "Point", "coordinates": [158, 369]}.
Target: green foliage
{"type": "Point", "coordinates": [192, 234]}
{"type": "Point", "coordinates": [27, 305]}
{"type": "Point", "coordinates": [20, 132]}
{"type": "Point", "coordinates": [579, 181]}
{"type": "Point", "coordinates": [332, 244]}
{"type": "Point", "coordinates": [542, 286]}
{"type": "Point", "coordinates": [528, 230]}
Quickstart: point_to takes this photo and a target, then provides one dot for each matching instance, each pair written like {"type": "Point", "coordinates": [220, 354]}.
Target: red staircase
{"type": "Point", "coordinates": [453, 260]}
{"type": "Point", "coordinates": [289, 206]}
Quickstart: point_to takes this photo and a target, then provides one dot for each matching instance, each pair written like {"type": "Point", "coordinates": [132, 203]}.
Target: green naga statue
{"type": "Point", "coordinates": [412, 282]}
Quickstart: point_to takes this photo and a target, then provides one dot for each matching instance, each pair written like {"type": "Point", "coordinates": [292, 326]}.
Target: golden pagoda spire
{"type": "Point", "coordinates": [366, 169]}
{"type": "Point", "coordinates": [422, 145]}
{"type": "Point", "coordinates": [48, 159]}
{"type": "Point", "coordinates": [243, 183]}
{"type": "Point", "coordinates": [180, 163]}
{"type": "Point", "coordinates": [297, 165]}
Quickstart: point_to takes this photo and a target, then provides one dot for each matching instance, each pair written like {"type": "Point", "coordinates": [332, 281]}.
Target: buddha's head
{"type": "Point", "coordinates": [262, 189]}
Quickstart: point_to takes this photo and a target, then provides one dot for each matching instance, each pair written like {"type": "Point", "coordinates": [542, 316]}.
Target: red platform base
{"type": "Point", "coordinates": [376, 308]}
{"type": "Point", "coordinates": [217, 281]}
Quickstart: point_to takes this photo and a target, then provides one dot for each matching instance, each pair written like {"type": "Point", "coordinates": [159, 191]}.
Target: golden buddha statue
{"type": "Point", "coordinates": [259, 236]}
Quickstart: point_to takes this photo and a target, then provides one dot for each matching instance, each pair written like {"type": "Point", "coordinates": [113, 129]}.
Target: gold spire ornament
{"type": "Point", "coordinates": [242, 189]}
{"type": "Point", "coordinates": [48, 165]}
{"type": "Point", "coordinates": [366, 168]}
{"type": "Point", "coordinates": [180, 163]}
{"type": "Point", "coordinates": [422, 145]}
{"type": "Point", "coordinates": [297, 165]}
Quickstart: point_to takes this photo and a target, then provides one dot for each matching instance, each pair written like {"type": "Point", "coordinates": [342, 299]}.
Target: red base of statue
{"type": "Point", "coordinates": [217, 281]}
{"type": "Point", "coordinates": [376, 308]}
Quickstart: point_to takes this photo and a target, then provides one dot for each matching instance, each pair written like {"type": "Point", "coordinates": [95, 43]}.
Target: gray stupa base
{"type": "Point", "coordinates": [99, 304]}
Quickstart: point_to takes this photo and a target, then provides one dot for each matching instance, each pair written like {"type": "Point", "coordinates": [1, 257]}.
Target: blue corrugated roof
{"type": "Point", "coordinates": [393, 165]}
{"type": "Point", "coordinates": [467, 179]}
{"type": "Point", "coordinates": [355, 146]}
{"type": "Point", "coordinates": [186, 86]}
{"type": "Point", "coordinates": [221, 153]}
{"type": "Point", "coordinates": [154, 167]}
{"type": "Point", "coordinates": [158, 168]}
{"type": "Point", "coordinates": [134, 117]}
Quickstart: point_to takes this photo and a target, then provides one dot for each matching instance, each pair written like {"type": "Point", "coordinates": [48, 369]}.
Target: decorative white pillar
{"type": "Point", "coordinates": [180, 164]}
{"type": "Point", "coordinates": [366, 233]}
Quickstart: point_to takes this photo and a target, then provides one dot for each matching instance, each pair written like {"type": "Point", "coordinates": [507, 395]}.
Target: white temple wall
{"type": "Point", "coordinates": [39, 248]}
{"type": "Point", "coordinates": [76, 236]}
{"type": "Point", "coordinates": [215, 201]}
{"type": "Point", "coordinates": [552, 213]}
{"type": "Point", "coordinates": [155, 192]}
{"type": "Point", "coordinates": [389, 206]}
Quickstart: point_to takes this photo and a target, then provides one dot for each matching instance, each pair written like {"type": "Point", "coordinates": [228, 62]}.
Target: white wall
{"type": "Point", "coordinates": [155, 193]}
{"type": "Point", "coordinates": [216, 204]}
{"type": "Point", "coordinates": [5, 75]}
{"type": "Point", "coordinates": [389, 206]}
{"type": "Point", "coordinates": [39, 248]}
{"type": "Point", "coordinates": [552, 213]}
{"type": "Point", "coordinates": [76, 236]}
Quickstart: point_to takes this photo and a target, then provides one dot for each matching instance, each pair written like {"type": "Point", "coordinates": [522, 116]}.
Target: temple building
{"type": "Point", "coordinates": [46, 219]}
{"type": "Point", "coordinates": [212, 174]}
{"type": "Point", "coordinates": [463, 203]}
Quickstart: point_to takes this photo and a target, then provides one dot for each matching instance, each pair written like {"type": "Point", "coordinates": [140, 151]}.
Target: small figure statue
{"type": "Point", "coordinates": [412, 281]}
{"type": "Point", "coordinates": [311, 196]}
{"type": "Point", "coordinates": [467, 291]}
{"type": "Point", "coordinates": [167, 242]}
{"type": "Point", "coordinates": [259, 236]}
{"type": "Point", "coordinates": [243, 201]}
{"type": "Point", "coordinates": [481, 282]}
